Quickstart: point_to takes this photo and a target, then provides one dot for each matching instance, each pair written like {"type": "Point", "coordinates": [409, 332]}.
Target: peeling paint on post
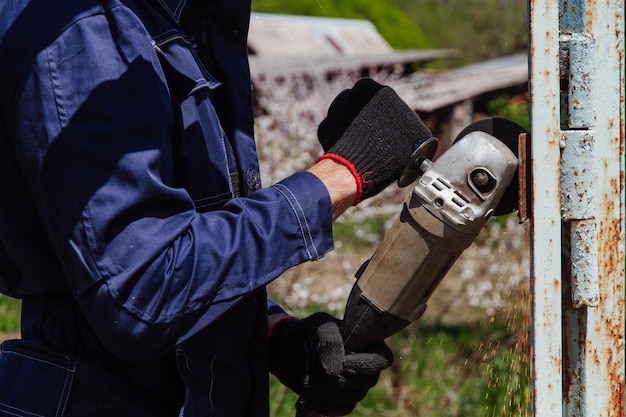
{"type": "Point", "coordinates": [577, 100]}
{"type": "Point", "coordinates": [584, 264]}
{"type": "Point", "coordinates": [546, 347]}
{"type": "Point", "coordinates": [581, 81]}
{"type": "Point", "coordinates": [577, 175]}
{"type": "Point", "coordinates": [578, 210]}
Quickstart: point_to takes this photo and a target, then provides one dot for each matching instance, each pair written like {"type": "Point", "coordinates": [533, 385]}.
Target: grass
{"type": "Point", "coordinates": [470, 370]}
{"type": "Point", "coordinates": [9, 315]}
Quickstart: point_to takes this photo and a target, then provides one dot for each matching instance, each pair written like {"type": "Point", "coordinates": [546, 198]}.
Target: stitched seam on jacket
{"type": "Point", "coordinates": [69, 378]}
{"type": "Point", "coordinates": [6, 409]}
{"type": "Point", "coordinates": [301, 219]}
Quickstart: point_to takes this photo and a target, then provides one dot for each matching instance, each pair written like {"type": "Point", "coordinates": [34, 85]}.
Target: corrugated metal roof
{"type": "Point", "coordinates": [428, 92]}
{"type": "Point", "coordinates": [315, 64]}
{"type": "Point", "coordinates": [276, 34]}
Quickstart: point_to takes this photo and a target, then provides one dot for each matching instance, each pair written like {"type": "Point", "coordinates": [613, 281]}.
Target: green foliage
{"type": "Point", "coordinates": [392, 22]}
{"type": "Point", "coordinates": [513, 109]}
{"type": "Point", "coordinates": [443, 371]}
{"type": "Point", "coordinates": [9, 314]}
{"type": "Point", "coordinates": [356, 236]}
{"type": "Point", "coordinates": [478, 29]}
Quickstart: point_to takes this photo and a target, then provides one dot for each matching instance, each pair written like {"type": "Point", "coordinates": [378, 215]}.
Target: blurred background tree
{"type": "Point", "coordinates": [480, 30]}
{"type": "Point", "coordinates": [393, 23]}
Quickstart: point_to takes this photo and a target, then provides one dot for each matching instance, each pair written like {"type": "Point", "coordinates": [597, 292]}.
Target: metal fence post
{"type": "Point", "coordinates": [576, 74]}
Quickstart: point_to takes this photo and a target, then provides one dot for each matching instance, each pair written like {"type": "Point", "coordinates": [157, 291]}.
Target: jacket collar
{"type": "Point", "coordinates": [173, 7]}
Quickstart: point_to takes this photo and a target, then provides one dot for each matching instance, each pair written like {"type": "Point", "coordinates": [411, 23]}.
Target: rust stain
{"type": "Point", "coordinates": [614, 184]}
{"type": "Point", "coordinates": [610, 203]}
{"type": "Point", "coordinates": [525, 178]}
{"type": "Point", "coordinates": [590, 10]}
{"type": "Point", "coordinates": [611, 264]}
{"type": "Point", "coordinates": [616, 384]}
{"type": "Point", "coordinates": [596, 358]}
{"type": "Point", "coordinates": [610, 240]}
{"type": "Point", "coordinates": [611, 123]}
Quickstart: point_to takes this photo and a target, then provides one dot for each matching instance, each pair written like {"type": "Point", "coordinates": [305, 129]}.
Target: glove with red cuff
{"type": "Point", "coordinates": [308, 356]}
{"type": "Point", "coordinates": [372, 132]}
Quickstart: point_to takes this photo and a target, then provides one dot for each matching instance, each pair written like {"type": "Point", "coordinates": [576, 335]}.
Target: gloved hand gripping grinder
{"type": "Point", "coordinates": [453, 199]}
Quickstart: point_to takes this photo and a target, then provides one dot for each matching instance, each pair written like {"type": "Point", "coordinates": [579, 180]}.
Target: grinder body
{"type": "Point", "coordinates": [444, 213]}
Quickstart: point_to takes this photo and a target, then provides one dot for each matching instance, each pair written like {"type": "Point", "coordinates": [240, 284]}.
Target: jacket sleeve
{"type": "Point", "coordinates": [91, 127]}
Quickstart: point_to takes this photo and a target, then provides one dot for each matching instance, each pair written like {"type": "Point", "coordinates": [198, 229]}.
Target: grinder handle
{"type": "Point", "coordinates": [362, 324]}
{"type": "Point", "coordinates": [305, 412]}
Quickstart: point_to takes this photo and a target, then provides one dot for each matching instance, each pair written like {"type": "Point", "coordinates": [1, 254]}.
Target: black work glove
{"type": "Point", "coordinates": [370, 130]}
{"type": "Point", "coordinates": [308, 356]}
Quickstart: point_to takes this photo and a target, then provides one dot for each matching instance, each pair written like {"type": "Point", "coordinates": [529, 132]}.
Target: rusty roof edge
{"type": "Point", "coordinates": [428, 92]}
{"type": "Point", "coordinates": [285, 65]}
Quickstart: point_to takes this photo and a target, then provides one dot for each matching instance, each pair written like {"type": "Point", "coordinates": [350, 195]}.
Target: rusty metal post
{"type": "Point", "coordinates": [577, 222]}
{"type": "Point", "coordinates": [546, 344]}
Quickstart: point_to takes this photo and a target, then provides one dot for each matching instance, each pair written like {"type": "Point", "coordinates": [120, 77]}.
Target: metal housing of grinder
{"type": "Point", "coordinates": [450, 203]}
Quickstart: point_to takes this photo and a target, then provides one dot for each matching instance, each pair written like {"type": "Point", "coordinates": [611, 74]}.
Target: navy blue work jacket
{"type": "Point", "coordinates": [132, 220]}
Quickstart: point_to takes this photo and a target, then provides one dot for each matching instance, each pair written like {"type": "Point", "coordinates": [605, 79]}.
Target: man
{"type": "Point", "coordinates": [134, 227]}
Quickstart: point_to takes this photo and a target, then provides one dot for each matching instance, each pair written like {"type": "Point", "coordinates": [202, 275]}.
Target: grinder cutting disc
{"type": "Point", "coordinates": [508, 133]}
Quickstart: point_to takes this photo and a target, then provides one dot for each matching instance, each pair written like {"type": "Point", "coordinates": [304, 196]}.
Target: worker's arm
{"type": "Point", "coordinates": [339, 182]}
